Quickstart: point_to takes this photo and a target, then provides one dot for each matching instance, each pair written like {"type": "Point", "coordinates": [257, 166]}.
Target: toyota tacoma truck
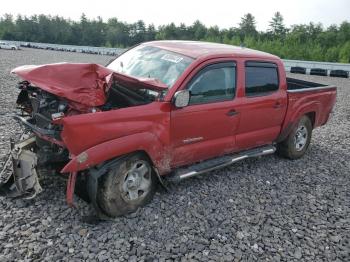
{"type": "Point", "coordinates": [163, 110]}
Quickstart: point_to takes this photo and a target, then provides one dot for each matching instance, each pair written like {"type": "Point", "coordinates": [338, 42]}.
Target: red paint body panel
{"type": "Point", "coordinates": [320, 102]}
{"type": "Point", "coordinates": [81, 132]}
{"type": "Point", "coordinates": [165, 132]}
{"type": "Point", "coordinates": [207, 123]}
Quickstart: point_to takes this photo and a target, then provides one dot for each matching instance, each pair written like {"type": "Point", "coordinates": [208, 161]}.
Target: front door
{"type": "Point", "coordinates": [205, 128]}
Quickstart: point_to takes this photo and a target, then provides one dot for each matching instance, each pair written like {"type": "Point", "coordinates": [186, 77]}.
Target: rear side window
{"type": "Point", "coordinates": [260, 78]}
{"type": "Point", "coordinates": [214, 83]}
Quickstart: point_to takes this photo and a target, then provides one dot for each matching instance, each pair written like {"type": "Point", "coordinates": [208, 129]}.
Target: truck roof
{"type": "Point", "coordinates": [196, 49]}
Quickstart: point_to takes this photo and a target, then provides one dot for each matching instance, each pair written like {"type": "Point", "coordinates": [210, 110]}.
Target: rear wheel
{"type": "Point", "coordinates": [128, 186]}
{"type": "Point", "coordinates": [298, 141]}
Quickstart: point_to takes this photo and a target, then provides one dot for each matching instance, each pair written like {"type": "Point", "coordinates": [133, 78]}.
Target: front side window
{"type": "Point", "coordinates": [151, 62]}
{"type": "Point", "coordinates": [260, 78]}
{"type": "Point", "coordinates": [214, 83]}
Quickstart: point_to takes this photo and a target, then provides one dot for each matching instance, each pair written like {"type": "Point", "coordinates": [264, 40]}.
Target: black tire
{"type": "Point", "coordinates": [290, 148]}
{"type": "Point", "coordinates": [113, 196]}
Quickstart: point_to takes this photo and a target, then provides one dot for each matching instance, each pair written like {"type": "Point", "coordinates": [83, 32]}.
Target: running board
{"type": "Point", "coordinates": [220, 162]}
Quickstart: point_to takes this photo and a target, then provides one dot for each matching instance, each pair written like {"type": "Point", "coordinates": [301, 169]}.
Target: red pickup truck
{"type": "Point", "coordinates": [171, 109]}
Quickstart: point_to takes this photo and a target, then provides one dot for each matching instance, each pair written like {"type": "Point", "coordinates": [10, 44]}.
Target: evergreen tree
{"type": "Point", "coordinates": [247, 25]}
{"type": "Point", "coordinates": [199, 30]}
{"type": "Point", "coordinates": [276, 26]}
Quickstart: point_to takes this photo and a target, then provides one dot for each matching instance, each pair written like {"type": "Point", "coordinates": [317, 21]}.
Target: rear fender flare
{"type": "Point", "coordinates": [308, 108]}
{"type": "Point", "coordinates": [111, 149]}
{"type": "Point", "coordinates": [291, 123]}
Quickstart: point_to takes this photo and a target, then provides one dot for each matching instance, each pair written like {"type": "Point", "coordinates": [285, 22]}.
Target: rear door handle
{"type": "Point", "coordinates": [277, 105]}
{"type": "Point", "coordinates": [232, 112]}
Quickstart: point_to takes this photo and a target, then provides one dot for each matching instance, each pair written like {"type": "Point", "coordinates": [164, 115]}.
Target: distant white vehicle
{"type": "Point", "coordinates": [4, 45]}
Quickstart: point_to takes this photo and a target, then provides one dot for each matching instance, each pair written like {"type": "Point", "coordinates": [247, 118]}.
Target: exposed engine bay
{"type": "Point", "coordinates": [42, 107]}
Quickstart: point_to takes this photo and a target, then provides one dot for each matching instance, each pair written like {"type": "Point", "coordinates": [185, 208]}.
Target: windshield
{"type": "Point", "coordinates": [151, 62]}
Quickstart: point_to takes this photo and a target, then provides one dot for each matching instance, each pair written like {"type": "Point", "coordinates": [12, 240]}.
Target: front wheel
{"type": "Point", "coordinates": [128, 186]}
{"type": "Point", "coordinates": [298, 141]}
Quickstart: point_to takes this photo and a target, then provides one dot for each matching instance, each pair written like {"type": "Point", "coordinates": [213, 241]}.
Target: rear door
{"type": "Point", "coordinates": [263, 106]}
{"type": "Point", "coordinates": [205, 128]}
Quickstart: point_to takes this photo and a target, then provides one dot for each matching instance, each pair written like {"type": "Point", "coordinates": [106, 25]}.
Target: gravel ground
{"type": "Point", "coordinates": [262, 209]}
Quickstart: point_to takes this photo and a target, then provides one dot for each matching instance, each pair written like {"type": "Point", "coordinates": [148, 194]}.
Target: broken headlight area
{"type": "Point", "coordinates": [40, 105]}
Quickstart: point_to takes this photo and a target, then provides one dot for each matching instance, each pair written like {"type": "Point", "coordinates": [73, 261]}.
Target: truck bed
{"type": "Point", "coordinates": [297, 84]}
{"type": "Point", "coordinates": [319, 99]}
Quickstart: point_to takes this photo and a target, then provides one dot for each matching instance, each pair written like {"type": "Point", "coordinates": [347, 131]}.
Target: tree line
{"type": "Point", "coordinates": [304, 41]}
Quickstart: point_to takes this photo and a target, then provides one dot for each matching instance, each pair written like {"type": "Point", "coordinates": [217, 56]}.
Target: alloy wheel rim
{"type": "Point", "coordinates": [137, 181]}
{"type": "Point", "coordinates": [300, 138]}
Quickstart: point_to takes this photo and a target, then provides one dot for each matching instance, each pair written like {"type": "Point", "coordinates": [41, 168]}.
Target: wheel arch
{"type": "Point", "coordinates": [287, 144]}
{"type": "Point", "coordinates": [288, 128]}
{"type": "Point", "coordinates": [312, 116]}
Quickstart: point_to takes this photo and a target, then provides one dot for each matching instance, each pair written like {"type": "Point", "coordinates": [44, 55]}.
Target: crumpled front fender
{"type": "Point", "coordinates": [146, 142]}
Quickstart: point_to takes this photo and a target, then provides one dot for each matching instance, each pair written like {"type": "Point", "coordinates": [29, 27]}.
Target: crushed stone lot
{"type": "Point", "coordinates": [264, 209]}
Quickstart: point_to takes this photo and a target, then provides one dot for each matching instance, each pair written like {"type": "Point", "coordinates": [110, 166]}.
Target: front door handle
{"type": "Point", "coordinates": [232, 112]}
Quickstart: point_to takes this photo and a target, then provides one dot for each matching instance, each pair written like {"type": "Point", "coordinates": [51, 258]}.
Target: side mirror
{"type": "Point", "coordinates": [182, 98]}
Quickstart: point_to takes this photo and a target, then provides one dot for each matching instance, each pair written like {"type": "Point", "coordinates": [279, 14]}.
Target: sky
{"type": "Point", "coordinates": [223, 13]}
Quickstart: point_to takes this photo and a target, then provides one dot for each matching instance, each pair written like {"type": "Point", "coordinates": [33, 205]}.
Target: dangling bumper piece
{"type": "Point", "coordinates": [23, 181]}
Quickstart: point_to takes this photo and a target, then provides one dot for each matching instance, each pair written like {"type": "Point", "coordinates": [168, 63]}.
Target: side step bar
{"type": "Point", "coordinates": [220, 162]}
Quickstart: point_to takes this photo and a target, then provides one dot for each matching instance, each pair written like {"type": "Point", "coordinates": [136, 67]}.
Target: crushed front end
{"type": "Point", "coordinates": [60, 107]}
{"type": "Point", "coordinates": [48, 94]}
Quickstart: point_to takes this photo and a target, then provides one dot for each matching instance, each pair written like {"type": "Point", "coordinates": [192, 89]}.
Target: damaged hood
{"type": "Point", "coordinates": [86, 84]}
